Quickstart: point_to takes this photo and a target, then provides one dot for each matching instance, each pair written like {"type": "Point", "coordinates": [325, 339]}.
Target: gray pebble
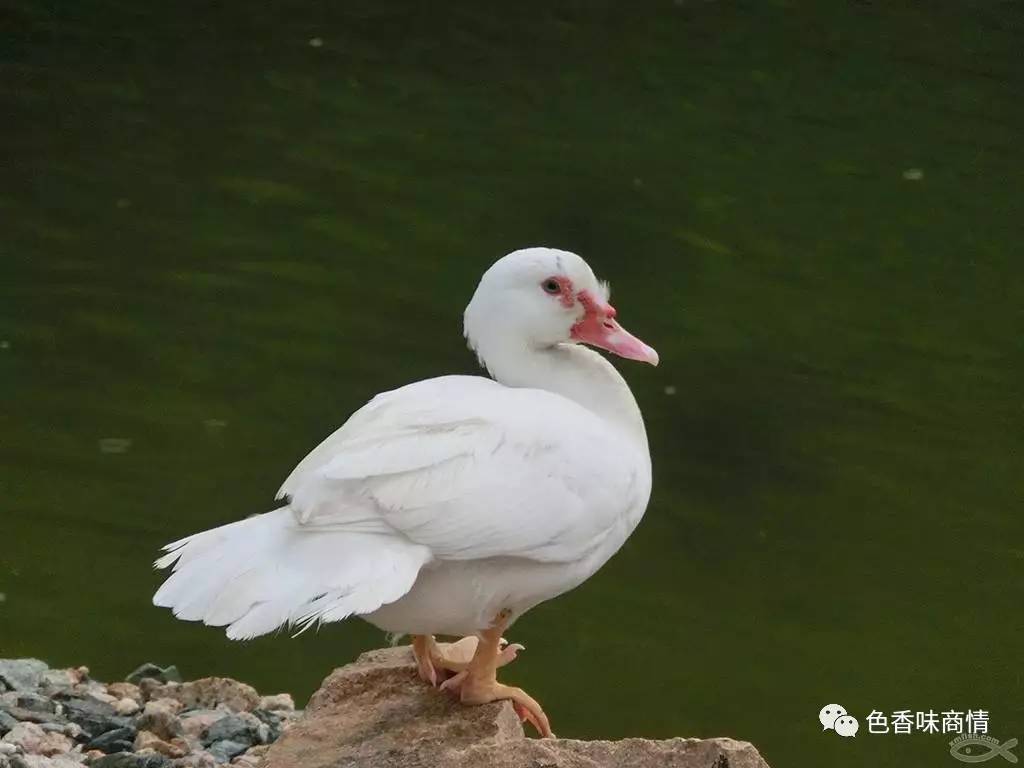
{"type": "Point", "coordinates": [30, 707]}
{"type": "Point", "coordinates": [129, 760]}
{"type": "Point", "coordinates": [274, 722]}
{"type": "Point", "coordinates": [95, 717]}
{"type": "Point", "coordinates": [32, 702]}
{"type": "Point", "coordinates": [22, 674]}
{"type": "Point", "coordinates": [163, 674]}
{"type": "Point", "coordinates": [195, 722]}
{"type": "Point", "coordinates": [7, 722]}
{"type": "Point", "coordinates": [117, 740]}
{"type": "Point", "coordinates": [28, 716]}
{"type": "Point", "coordinates": [241, 728]}
{"type": "Point", "coordinates": [223, 751]}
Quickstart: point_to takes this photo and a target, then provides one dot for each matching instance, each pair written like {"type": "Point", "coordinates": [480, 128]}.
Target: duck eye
{"type": "Point", "coordinates": [551, 286]}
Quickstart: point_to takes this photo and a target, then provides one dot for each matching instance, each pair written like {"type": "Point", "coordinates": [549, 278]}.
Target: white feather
{"type": "Point", "coordinates": [266, 571]}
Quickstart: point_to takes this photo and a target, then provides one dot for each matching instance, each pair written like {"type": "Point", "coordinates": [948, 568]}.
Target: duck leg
{"type": "Point", "coordinates": [477, 682]}
{"type": "Point", "coordinates": [434, 660]}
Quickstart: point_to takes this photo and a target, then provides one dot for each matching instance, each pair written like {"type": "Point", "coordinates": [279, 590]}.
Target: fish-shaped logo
{"type": "Point", "coordinates": [975, 748]}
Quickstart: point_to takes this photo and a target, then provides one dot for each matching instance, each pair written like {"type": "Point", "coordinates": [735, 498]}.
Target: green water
{"type": "Point", "coordinates": [219, 239]}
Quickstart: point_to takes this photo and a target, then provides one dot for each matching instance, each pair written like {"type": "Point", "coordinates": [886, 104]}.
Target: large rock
{"type": "Point", "coordinates": [377, 712]}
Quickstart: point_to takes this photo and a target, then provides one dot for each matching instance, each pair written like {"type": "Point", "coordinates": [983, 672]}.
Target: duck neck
{"type": "Point", "coordinates": [575, 372]}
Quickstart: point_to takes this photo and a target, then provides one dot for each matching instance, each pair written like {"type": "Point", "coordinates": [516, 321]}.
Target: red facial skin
{"type": "Point", "coordinates": [593, 305]}
{"type": "Point", "coordinates": [565, 290]}
{"type": "Point", "coordinates": [598, 326]}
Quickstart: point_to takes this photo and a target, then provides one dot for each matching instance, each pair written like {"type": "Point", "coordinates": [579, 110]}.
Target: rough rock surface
{"type": "Point", "coordinates": [376, 712]}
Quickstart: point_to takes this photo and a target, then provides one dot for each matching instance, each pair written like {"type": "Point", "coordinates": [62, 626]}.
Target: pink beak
{"type": "Point", "coordinates": [599, 329]}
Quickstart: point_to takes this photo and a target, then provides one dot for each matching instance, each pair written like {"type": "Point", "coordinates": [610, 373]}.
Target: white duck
{"type": "Point", "coordinates": [452, 505]}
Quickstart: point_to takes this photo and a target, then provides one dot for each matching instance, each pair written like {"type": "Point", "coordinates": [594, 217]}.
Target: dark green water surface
{"type": "Point", "coordinates": [218, 238]}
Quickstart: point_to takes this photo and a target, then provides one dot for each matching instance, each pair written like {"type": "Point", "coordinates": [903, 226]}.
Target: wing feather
{"type": "Point", "coordinates": [469, 469]}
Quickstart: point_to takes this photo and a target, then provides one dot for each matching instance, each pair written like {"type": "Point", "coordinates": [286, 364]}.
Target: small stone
{"type": "Point", "coordinates": [196, 722]}
{"type": "Point", "coordinates": [55, 727]}
{"type": "Point", "coordinates": [117, 740]}
{"type": "Point", "coordinates": [32, 702]}
{"type": "Point", "coordinates": [85, 689]}
{"type": "Point", "coordinates": [93, 754]}
{"type": "Point", "coordinates": [63, 680]}
{"type": "Point", "coordinates": [243, 728]}
{"type": "Point", "coordinates": [148, 740]}
{"type": "Point", "coordinates": [273, 721]}
{"type": "Point", "coordinates": [126, 706]}
{"type": "Point", "coordinates": [27, 716]}
{"type": "Point", "coordinates": [56, 680]}
{"type": "Point", "coordinates": [125, 691]}
{"type": "Point", "coordinates": [6, 748]}
{"type": "Point", "coordinates": [277, 722]}
{"type": "Point", "coordinates": [208, 693]}
{"type": "Point", "coordinates": [223, 751]}
{"type": "Point", "coordinates": [200, 759]}
{"type": "Point", "coordinates": [39, 761]}
{"type": "Point", "coordinates": [29, 707]}
{"type": "Point", "coordinates": [246, 760]}
{"type": "Point", "coordinates": [170, 706]}
{"type": "Point", "coordinates": [316, 42]}
{"type": "Point", "coordinates": [162, 674]}
{"type": "Point", "coordinates": [279, 701]}
{"type": "Point", "coordinates": [913, 174]}
{"type": "Point", "coordinates": [160, 720]}
{"type": "Point", "coordinates": [33, 740]}
{"type": "Point", "coordinates": [150, 687]}
{"type": "Point", "coordinates": [145, 740]}
{"type": "Point", "coordinates": [25, 736]}
{"type": "Point", "coordinates": [22, 674]}
{"type": "Point", "coordinates": [7, 721]}
{"type": "Point", "coordinates": [55, 744]}
{"type": "Point", "coordinates": [130, 760]}
{"type": "Point", "coordinates": [102, 696]}
{"type": "Point", "coordinates": [258, 751]}
{"type": "Point", "coordinates": [95, 717]}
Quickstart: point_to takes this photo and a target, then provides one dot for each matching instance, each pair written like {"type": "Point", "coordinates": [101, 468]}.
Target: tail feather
{"type": "Point", "coordinates": [267, 571]}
